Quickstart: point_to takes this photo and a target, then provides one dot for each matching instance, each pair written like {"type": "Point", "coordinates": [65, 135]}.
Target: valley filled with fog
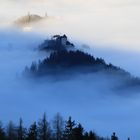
{"type": "Point", "coordinates": [88, 96]}
{"type": "Point", "coordinates": [109, 30]}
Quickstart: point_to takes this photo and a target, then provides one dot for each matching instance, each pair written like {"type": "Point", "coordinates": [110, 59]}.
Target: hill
{"type": "Point", "coordinates": [64, 61]}
{"type": "Point", "coordinates": [28, 19]}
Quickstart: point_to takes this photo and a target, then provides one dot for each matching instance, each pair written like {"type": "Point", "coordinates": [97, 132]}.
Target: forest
{"type": "Point", "coordinates": [65, 57]}
{"type": "Point", "coordinates": [56, 129]}
{"type": "Point", "coordinates": [70, 61]}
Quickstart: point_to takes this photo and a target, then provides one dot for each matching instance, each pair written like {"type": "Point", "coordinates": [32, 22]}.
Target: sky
{"type": "Point", "coordinates": [114, 23]}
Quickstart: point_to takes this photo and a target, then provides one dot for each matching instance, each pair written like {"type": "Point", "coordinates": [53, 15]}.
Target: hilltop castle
{"type": "Point", "coordinates": [62, 40]}
{"type": "Point", "coordinates": [57, 43]}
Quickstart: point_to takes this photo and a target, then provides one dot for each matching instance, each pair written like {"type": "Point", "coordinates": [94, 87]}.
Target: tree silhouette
{"type": "Point", "coordinates": [64, 60]}
{"type": "Point", "coordinates": [32, 132]}
{"type": "Point", "coordinates": [92, 135]}
{"type": "Point", "coordinates": [11, 131]}
{"type": "Point", "coordinates": [2, 133]}
{"type": "Point", "coordinates": [21, 130]}
{"type": "Point", "coordinates": [58, 126]}
{"type": "Point", "coordinates": [69, 127]}
{"type": "Point", "coordinates": [78, 132]}
{"type": "Point", "coordinates": [33, 67]}
{"type": "Point", "coordinates": [114, 137]}
{"type": "Point", "coordinates": [44, 129]}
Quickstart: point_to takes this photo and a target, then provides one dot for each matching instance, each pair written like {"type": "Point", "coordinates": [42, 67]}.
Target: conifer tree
{"type": "Point", "coordinates": [114, 137]}
{"type": "Point", "coordinates": [58, 126]}
{"type": "Point", "coordinates": [2, 132]}
{"type": "Point", "coordinates": [21, 130]}
{"type": "Point", "coordinates": [32, 133]}
{"type": "Point", "coordinates": [44, 130]}
{"type": "Point", "coordinates": [11, 131]}
{"type": "Point", "coordinates": [78, 132]}
{"type": "Point", "coordinates": [70, 125]}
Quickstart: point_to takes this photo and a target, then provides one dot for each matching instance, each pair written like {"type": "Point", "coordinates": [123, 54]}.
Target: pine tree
{"type": "Point", "coordinates": [44, 129]}
{"type": "Point", "coordinates": [114, 137]}
{"type": "Point", "coordinates": [2, 132]}
{"type": "Point", "coordinates": [70, 125]}
{"type": "Point", "coordinates": [32, 132]}
{"type": "Point", "coordinates": [11, 131]}
{"type": "Point", "coordinates": [58, 125]}
{"type": "Point", "coordinates": [92, 135]}
{"type": "Point", "coordinates": [33, 67]}
{"type": "Point", "coordinates": [78, 132]}
{"type": "Point", "coordinates": [21, 130]}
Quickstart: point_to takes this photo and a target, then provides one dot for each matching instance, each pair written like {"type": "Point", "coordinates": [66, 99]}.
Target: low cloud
{"type": "Point", "coordinates": [92, 94]}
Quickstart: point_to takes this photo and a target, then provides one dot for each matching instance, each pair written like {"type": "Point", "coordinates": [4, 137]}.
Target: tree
{"type": "Point", "coordinates": [2, 133]}
{"type": "Point", "coordinates": [114, 137]}
{"type": "Point", "coordinates": [58, 125]}
{"type": "Point", "coordinates": [33, 67]}
{"type": "Point", "coordinates": [86, 136]}
{"type": "Point", "coordinates": [78, 132]}
{"type": "Point", "coordinates": [32, 132]}
{"type": "Point", "coordinates": [44, 129]}
{"type": "Point", "coordinates": [92, 135]}
{"type": "Point", "coordinates": [11, 131]}
{"type": "Point", "coordinates": [21, 130]}
{"type": "Point", "coordinates": [70, 125]}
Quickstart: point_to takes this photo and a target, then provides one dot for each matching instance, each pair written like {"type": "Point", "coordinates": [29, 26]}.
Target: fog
{"type": "Point", "coordinates": [101, 21]}
{"type": "Point", "coordinates": [103, 28]}
{"type": "Point", "coordinates": [96, 104]}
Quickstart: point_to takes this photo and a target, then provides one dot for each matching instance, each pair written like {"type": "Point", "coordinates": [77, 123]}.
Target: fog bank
{"type": "Point", "coordinates": [105, 110]}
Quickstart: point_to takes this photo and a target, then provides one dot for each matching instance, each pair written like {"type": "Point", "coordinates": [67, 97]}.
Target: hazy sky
{"type": "Point", "coordinates": [114, 22]}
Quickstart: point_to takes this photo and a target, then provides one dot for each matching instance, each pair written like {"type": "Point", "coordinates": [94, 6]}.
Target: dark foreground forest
{"type": "Point", "coordinates": [56, 129]}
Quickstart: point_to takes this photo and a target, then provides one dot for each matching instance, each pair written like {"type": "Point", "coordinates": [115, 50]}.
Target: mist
{"type": "Point", "coordinates": [105, 22]}
{"type": "Point", "coordinates": [105, 109]}
{"type": "Point", "coordinates": [103, 28]}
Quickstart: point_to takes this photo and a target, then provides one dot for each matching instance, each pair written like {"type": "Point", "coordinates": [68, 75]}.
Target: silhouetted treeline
{"type": "Point", "coordinates": [71, 61]}
{"type": "Point", "coordinates": [57, 129]}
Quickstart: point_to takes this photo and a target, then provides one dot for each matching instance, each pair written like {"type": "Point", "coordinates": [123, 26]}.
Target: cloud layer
{"type": "Point", "coordinates": [102, 21]}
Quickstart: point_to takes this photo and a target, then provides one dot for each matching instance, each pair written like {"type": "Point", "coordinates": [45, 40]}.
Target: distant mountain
{"type": "Point", "coordinates": [28, 19]}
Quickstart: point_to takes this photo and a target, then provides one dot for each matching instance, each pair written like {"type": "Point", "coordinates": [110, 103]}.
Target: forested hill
{"type": "Point", "coordinates": [65, 57]}
{"type": "Point", "coordinates": [71, 61]}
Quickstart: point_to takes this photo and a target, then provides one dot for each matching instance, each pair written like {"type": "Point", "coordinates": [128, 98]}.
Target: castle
{"type": "Point", "coordinates": [62, 40]}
